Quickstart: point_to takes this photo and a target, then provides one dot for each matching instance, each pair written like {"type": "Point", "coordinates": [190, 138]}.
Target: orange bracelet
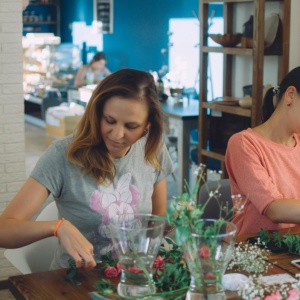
{"type": "Point", "coordinates": [57, 226]}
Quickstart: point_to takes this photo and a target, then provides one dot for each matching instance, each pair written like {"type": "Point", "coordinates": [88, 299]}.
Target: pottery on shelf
{"type": "Point", "coordinates": [246, 102]}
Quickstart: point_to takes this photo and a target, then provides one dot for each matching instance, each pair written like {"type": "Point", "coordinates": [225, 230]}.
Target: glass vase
{"type": "Point", "coordinates": [137, 239]}
{"type": "Point", "coordinates": [207, 253]}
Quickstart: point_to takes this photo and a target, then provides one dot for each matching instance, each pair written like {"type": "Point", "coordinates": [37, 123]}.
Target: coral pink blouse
{"type": "Point", "coordinates": [263, 171]}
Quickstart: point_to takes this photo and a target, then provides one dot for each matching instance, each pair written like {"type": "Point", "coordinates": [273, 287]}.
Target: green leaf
{"type": "Point", "coordinates": [182, 234]}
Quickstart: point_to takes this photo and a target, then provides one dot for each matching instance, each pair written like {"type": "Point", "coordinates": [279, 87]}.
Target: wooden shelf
{"type": "Point", "coordinates": [213, 154]}
{"type": "Point", "coordinates": [40, 23]}
{"type": "Point", "coordinates": [34, 72]}
{"type": "Point", "coordinates": [42, 4]}
{"type": "Point", "coordinates": [227, 50]}
{"type": "Point", "coordinates": [214, 131]}
{"type": "Point", "coordinates": [239, 50]}
{"type": "Point", "coordinates": [235, 110]}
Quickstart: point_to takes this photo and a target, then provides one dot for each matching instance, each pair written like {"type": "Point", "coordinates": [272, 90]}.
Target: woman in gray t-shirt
{"type": "Point", "coordinates": [114, 163]}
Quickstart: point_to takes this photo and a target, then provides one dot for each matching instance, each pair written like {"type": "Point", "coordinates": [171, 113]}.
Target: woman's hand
{"type": "Point", "coordinates": [76, 245]}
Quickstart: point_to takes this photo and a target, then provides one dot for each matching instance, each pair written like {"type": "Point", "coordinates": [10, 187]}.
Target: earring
{"type": "Point", "coordinates": [146, 130]}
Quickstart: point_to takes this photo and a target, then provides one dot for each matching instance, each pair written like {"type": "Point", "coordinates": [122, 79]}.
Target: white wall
{"type": "Point", "coordinates": [243, 70]}
{"type": "Point", "coordinates": [295, 36]}
{"type": "Point", "coordinates": [12, 145]}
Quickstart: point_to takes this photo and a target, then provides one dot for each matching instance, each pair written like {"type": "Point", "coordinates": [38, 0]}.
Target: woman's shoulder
{"type": "Point", "coordinates": [61, 145]}
{"type": "Point", "coordinates": [246, 133]}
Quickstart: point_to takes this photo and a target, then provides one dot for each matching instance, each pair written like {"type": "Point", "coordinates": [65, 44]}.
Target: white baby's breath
{"type": "Point", "coordinates": [256, 289]}
{"type": "Point", "coordinates": [250, 258]}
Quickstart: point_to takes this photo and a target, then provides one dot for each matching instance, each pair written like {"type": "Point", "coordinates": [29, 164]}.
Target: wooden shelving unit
{"type": "Point", "coordinates": [214, 132]}
{"type": "Point", "coordinates": [42, 16]}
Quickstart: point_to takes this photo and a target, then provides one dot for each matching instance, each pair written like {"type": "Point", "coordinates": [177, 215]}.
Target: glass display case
{"type": "Point", "coordinates": [47, 74]}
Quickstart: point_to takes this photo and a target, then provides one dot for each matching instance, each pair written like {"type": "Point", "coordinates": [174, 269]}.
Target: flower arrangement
{"type": "Point", "coordinates": [185, 214]}
{"type": "Point", "coordinates": [170, 270]}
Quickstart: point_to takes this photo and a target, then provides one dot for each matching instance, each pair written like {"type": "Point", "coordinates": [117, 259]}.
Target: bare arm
{"type": "Point", "coordinates": [79, 79]}
{"type": "Point", "coordinates": [159, 198]}
{"type": "Point", "coordinates": [17, 229]}
{"type": "Point", "coordinates": [106, 72]}
{"type": "Point", "coordinates": [284, 211]}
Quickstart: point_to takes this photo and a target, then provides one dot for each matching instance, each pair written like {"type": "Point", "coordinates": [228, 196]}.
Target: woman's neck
{"type": "Point", "coordinates": [276, 130]}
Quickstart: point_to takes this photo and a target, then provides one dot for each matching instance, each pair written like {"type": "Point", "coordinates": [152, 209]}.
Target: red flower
{"type": "Point", "coordinates": [204, 252]}
{"type": "Point", "coordinates": [159, 263]}
{"type": "Point", "coordinates": [111, 272]}
{"type": "Point", "coordinates": [209, 276]}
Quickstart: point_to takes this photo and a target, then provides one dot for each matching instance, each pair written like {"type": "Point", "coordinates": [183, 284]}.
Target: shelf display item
{"type": "Point", "coordinates": [219, 120]}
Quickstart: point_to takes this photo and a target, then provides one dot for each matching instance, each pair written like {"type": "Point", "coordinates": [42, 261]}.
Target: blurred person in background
{"type": "Point", "coordinates": [94, 72]}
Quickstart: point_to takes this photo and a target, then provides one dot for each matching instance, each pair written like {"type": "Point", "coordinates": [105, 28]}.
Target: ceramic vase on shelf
{"type": "Point", "coordinates": [207, 254]}
{"type": "Point", "coordinates": [248, 28]}
{"type": "Point", "coordinates": [137, 239]}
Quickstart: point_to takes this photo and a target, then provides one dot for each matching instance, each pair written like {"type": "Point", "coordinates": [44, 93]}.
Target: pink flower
{"type": "Point", "coordinates": [293, 294]}
{"type": "Point", "coordinates": [204, 252]}
{"type": "Point", "coordinates": [159, 263]}
{"type": "Point", "coordinates": [274, 296]}
{"type": "Point", "coordinates": [111, 272]}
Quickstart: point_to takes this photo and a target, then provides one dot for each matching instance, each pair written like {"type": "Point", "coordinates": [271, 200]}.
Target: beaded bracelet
{"type": "Point", "coordinates": [57, 226]}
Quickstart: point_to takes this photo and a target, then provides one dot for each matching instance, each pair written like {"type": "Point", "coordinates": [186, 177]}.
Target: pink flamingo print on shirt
{"type": "Point", "coordinates": [110, 202]}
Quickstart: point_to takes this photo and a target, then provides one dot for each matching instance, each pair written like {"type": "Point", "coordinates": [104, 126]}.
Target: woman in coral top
{"type": "Point", "coordinates": [263, 163]}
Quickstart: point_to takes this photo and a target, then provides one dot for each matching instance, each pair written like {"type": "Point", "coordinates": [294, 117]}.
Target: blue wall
{"type": "Point", "coordinates": [140, 29]}
{"type": "Point", "coordinates": [74, 11]}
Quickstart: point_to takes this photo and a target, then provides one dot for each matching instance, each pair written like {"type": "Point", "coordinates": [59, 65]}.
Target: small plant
{"type": "Point", "coordinates": [185, 214]}
{"type": "Point", "coordinates": [276, 241]}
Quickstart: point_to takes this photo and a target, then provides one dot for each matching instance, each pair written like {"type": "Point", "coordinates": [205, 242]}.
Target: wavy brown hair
{"type": "Point", "coordinates": [88, 150]}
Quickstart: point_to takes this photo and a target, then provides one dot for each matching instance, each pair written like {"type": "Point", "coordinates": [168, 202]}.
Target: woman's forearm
{"type": "Point", "coordinates": [284, 211]}
{"type": "Point", "coordinates": [16, 233]}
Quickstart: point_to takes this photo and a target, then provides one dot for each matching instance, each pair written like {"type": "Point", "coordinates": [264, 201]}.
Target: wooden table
{"type": "Point", "coordinates": [52, 285]}
{"type": "Point", "coordinates": [184, 117]}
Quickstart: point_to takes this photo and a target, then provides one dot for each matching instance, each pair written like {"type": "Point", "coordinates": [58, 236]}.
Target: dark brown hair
{"type": "Point", "coordinates": [98, 56]}
{"type": "Point", "coordinates": [291, 79]}
{"type": "Point", "coordinates": [88, 150]}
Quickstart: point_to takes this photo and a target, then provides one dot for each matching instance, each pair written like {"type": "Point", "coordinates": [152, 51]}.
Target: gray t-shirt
{"type": "Point", "coordinates": [89, 206]}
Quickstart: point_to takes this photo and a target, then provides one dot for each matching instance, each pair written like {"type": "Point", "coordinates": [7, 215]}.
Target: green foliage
{"type": "Point", "coordinates": [277, 239]}
{"type": "Point", "coordinates": [288, 241]}
{"type": "Point", "coordinates": [185, 214]}
{"type": "Point", "coordinates": [108, 261]}
{"type": "Point", "coordinates": [264, 236]}
{"type": "Point", "coordinates": [175, 274]}
{"type": "Point", "coordinates": [172, 282]}
{"type": "Point", "coordinates": [106, 287]}
{"type": "Point", "coordinates": [292, 242]}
